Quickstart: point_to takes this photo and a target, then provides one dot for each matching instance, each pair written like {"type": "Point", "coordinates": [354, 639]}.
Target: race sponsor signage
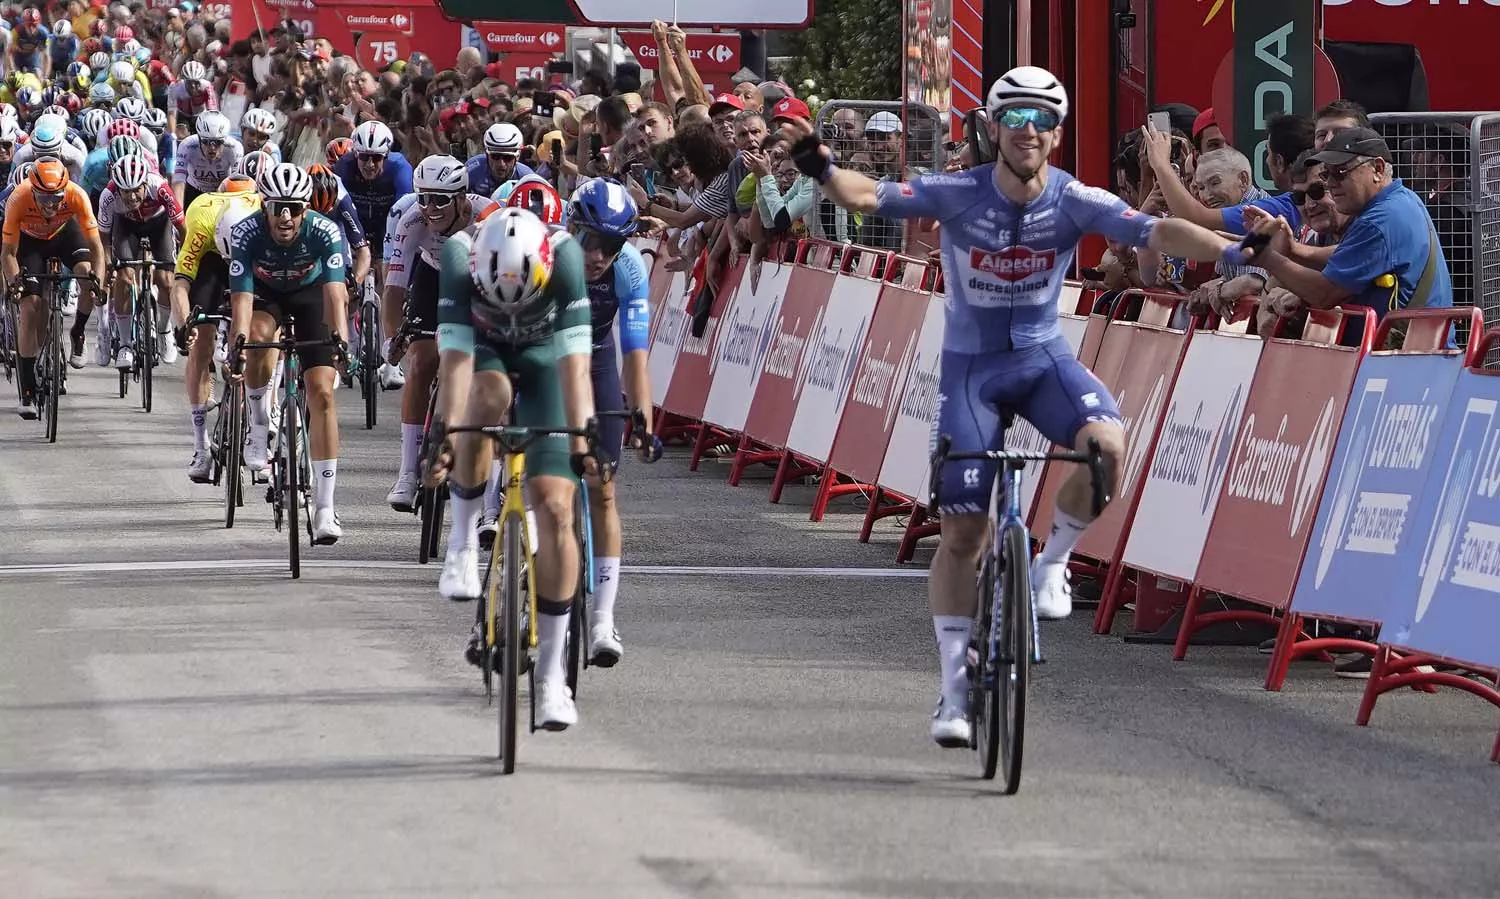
{"type": "Point", "coordinates": [708, 52]}
{"type": "Point", "coordinates": [769, 420]}
{"type": "Point", "coordinates": [1364, 548]}
{"type": "Point", "coordinates": [692, 376]}
{"type": "Point", "coordinates": [1277, 466]}
{"type": "Point", "coordinates": [1193, 452]}
{"type": "Point", "coordinates": [672, 321]}
{"type": "Point", "coordinates": [1454, 612]}
{"type": "Point", "coordinates": [1273, 72]}
{"type": "Point", "coordinates": [829, 366]}
{"type": "Point", "coordinates": [523, 37]}
{"type": "Point", "coordinates": [744, 339]}
{"type": "Point", "coordinates": [885, 362]}
{"type": "Point", "coordinates": [716, 13]}
{"type": "Point", "coordinates": [376, 18]}
{"type": "Point", "coordinates": [377, 49]}
{"type": "Point", "coordinates": [907, 463]}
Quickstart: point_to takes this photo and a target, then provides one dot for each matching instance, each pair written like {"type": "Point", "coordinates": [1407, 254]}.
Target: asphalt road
{"type": "Point", "coordinates": [212, 728]}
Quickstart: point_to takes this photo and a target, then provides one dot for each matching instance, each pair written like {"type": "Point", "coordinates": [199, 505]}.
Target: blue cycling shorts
{"type": "Point", "coordinates": [1044, 384]}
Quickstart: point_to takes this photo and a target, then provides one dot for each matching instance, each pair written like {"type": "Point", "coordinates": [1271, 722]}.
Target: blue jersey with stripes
{"type": "Point", "coordinates": [375, 197]}
{"type": "Point", "coordinates": [483, 181]}
{"type": "Point", "coordinates": [1004, 263]}
{"type": "Point", "coordinates": [623, 292]}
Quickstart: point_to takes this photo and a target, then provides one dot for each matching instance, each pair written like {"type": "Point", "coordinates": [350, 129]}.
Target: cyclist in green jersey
{"type": "Point", "coordinates": [513, 314]}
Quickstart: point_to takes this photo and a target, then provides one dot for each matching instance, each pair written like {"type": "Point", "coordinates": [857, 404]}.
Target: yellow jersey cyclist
{"type": "Point", "coordinates": [289, 260]}
{"type": "Point", "coordinates": [513, 316]}
{"type": "Point", "coordinates": [200, 286]}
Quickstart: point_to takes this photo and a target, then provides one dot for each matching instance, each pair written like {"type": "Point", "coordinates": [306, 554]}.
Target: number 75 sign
{"type": "Point", "coordinates": [378, 49]}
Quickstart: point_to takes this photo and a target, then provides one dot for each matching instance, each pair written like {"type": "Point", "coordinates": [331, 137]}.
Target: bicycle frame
{"type": "Point", "coordinates": [514, 507]}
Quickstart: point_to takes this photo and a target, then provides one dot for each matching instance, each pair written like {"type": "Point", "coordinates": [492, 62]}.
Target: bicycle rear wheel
{"type": "Point", "coordinates": [426, 506]}
{"type": "Point", "coordinates": [54, 356]}
{"type": "Point", "coordinates": [146, 349]}
{"type": "Point", "coordinates": [369, 350]}
{"type": "Point", "coordinates": [512, 648]}
{"type": "Point", "coordinates": [1014, 671]}
{"type": "Point", "coordinates": [291, 490]}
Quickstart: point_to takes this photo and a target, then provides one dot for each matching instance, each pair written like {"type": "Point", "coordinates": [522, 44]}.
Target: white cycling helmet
{"type": "Point", "coordinates": [93, 122]}
{"type": "Point", "coordinates": [193, 70]}
{"type": "Point", "coordinates": [133, 108]}
{"type": "Point", "coordinates": [285, 181]}
{"type": "Point", "coordinates": [54, 109]}
{"type": "Point", "coordinates": [1028, 86]}
{"type": "Point", "coordinates": [510, 264]}
{"type": "Point", "coordinates": [257, 119]}
{"type": "Point", "coordinates": [373, 137]}
{"type": "Point", "coordinates": [235, 211]}
{"type": "Point", "coordinates": [156, 119]}
{"type": "Point", "coordinates": [440, 175]}
{"type": "Point", "coordinates": [122, 72]}
{"type": "Point", "coordinates": [503, 137]}
{"type": "Point", "coordinates": [255, 164]}
{"type": "Point", "coordinates": [211, 125]}
{"type": "Point", "coordinates": [62, 28]}
{"type": "Point", "coordinates": [10, 129]}
{"type": "Point", "coordinates": [131, 47]}
{"type": "Point", "coordinates": [99, 61]}
{"type": "Point", "coordinates": [101, 93]}
{"type": "Point", "coordinates": [21, 172]}
{"type": "Point", "coordinates": [48, 134]}
{"type": "Point", "coordinates": [130, 172]}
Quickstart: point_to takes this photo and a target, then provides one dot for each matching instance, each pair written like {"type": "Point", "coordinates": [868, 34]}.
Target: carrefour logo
{"type": "Point", "coordinates": [745, 341]}
{"type": "Point", "coordinates": [833, 360]}
{"type": "Point", "coordinates": [1192, 454]}
{"type": "Point", "coordinates": [1138, 431]}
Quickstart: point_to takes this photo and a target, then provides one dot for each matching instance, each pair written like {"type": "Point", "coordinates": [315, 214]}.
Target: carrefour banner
{"type": "Point", "coordinates": [1365, 554]}
{"type": "Point", "coordinates": [1455, 609]}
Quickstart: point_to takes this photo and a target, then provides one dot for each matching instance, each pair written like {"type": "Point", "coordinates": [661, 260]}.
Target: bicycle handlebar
{"type": "Point", "coordinates": [287, 344]}
{"type": "Point", "coordinates": [1094, 459]}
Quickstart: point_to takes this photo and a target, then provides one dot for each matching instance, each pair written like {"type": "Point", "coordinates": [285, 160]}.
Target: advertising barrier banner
{"type": "Point", "coordinates": [829, 366]}
{"type": "Point", "coordinates": [1182, 484]}
{"type": "Point", "coordinates": [745, 337]}
{"type": "Point", "coordinates": [670, 325]}
{"type": "Point", "coordinates": [1276, 471]}
{"type": "Point", "coordinates": [889, 351]}
{"type": "Point", "coordinates": [769, 420]}
{"type": "Point", "coordinates": [1455, 610]}
{"type": "Point", "coordinates": [906, 466]}
{"type": "Point", "coordinates": [692, 375]}
{"type": "Point", "coordinates": [1362, 553]}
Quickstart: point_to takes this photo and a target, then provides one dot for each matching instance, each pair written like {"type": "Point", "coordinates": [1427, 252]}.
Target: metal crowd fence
{"type": "Point", "coordinates": [1452, 161]}
{"type": "Point", "coordinates": [844, 126]}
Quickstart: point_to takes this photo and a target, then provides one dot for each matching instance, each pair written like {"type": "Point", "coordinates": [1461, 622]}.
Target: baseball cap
{"type": "Point", "coordinates": [884, 123]}
{"type": "Point", "coordinates": [790, 108]}
{"type": "Point", "coordinates": [723, 100]}
{"type": "Point", "coordinates": [1349, 144]}
{"type": "Point", "coordinates": [1203, 122]}
{"type": "Point", "coordinates": [452, 112]}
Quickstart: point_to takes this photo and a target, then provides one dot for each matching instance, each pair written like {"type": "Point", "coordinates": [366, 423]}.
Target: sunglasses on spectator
{"type": "Point", "coordinates": [1315, 192]}
{"type": "Point", "coordinates": [1017, 117]}
{"type": "Point", "coordinates": [278, 208]}
{"type": "Point", "coordinates": [435, 201]}
{"type": "Point", "coordinates": [590, 240]}
{"type": "Point", "coordinates": [1331, 175]}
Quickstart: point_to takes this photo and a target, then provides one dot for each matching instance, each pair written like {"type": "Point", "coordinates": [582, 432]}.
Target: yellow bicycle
{"type": "Point", "coordinates": [505, 615]}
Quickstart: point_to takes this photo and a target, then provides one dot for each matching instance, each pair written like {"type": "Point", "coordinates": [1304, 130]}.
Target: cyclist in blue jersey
{"type": "Point", "coordinates": [375, 177]}
{"type": "Point", "coordinates": [1009, 233]}
{"type": "Point", "coordinates": [500, 161]}
{"type": "Point", "coordinates": [602, 217]}
{"type": "Point", "coordinates": [64, 45]}
{"type": "Point", "coordinates": [289, 260]}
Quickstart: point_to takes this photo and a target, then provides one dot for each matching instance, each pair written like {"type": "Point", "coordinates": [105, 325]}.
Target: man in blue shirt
{"type": "Point", "coordinates": [1389, 257]}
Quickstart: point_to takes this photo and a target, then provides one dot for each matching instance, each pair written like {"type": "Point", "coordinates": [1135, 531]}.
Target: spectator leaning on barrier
{"type": "Point", "coordinates": [1389, 257]}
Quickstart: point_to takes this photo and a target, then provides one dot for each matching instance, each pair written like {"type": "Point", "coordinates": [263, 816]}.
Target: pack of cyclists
{"type": "Point", "coordinates": [490, 284]}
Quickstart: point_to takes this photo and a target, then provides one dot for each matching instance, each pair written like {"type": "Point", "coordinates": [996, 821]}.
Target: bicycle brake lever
{"type": "Point", "coordinates": [1099, 492]}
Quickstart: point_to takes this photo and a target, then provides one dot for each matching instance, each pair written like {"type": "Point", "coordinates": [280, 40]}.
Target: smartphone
{"type": "Point", "coordinates": [1161, 121]}
{"type": "Point", "coordinates": [542, 103]}
{"type": "Point", "coordinates": [649, 180]}
{"type": "Point", "coordinates": [596, 145]}
{"type": "Point", "coordinates": [638, 173]}
{"type": "Point", "coordinates": [1092, 274]}
{"type": "Point", "coordinates": [557, 153]}
{"type": "Point", "coordinates": [560, 67]}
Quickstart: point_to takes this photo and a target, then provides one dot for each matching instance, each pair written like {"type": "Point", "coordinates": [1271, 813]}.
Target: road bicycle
{"type": "Point", "coordinates": [1004, 642]}
{"type": "Point", "coordinates": [507, 604]}
{"type": "Point", "coordinates": [227, 438]}
{"type": "Point", "coordinates": [143, 322]}
{"type": "Point", "coordinates": [51, 357]}
{"type": "Point", "coordinates": [365, 360]}
{"type": "Point", "coordinates": [289, 490]}
{"type": "Point", "coordinates": [431, 501]}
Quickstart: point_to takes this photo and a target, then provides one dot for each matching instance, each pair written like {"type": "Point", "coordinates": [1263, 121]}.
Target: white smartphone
{"type": "Point", "coordinates": [1161, 121]}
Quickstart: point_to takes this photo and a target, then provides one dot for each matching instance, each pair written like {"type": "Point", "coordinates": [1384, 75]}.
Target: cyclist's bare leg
{"type": "Point", "coordinates": [604, 518]}
{"type": "Point", "coordinates": [420, 370]}
{"type": "Point", "coordinates": [28, 342]}
{"type": "Point", "coordinates": [1076, 496]}
{"type": "Point", "coordinates": [259, 364]}
{"type": "Point", "coordinates": [488, 400]}
{"type": "Point", "coordinates": [555, 569]}
{"type": "Point", "coordinates": [120, 307]}
{"type": "Point", "coordinates": [322, 432]}
{"type": "Point", "coordinates": [1073, 514]}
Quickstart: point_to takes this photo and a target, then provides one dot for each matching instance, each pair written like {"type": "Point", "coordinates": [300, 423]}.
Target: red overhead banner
{"type": "Point", "coordinates": [522, 37]}
{"type": "Point", "coordinates": [709, 52]}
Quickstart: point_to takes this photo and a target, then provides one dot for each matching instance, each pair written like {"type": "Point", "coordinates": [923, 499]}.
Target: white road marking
{"type": "Point", "coordinates": [223, 565]}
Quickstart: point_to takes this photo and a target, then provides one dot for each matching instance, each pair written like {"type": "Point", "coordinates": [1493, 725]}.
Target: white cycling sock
{"type": "Point", "coordinates": [953, 649]}
{"type": "Point", "coordinates": [260, 409]}
{"type": "Point", "coordinates": [464, 533]}
{"type": "Point", "coordinates": [492, 499]}
{"type": "Point", "coordinates": [552, 639]}
{"type": "Point", "coordinates": [1066, 532]}
{"type": "Point", "coordinates": [606, 586]}
{"type": "Point", "coordinates": [325, 474]}
{"type": "Point", "coordinates": [411, 448]}
{"type": "Point", "coordinates": [200, 427]}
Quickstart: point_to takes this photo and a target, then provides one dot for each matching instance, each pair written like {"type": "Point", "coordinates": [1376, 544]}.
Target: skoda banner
{"type": "Point", "coordinates": [1273, 71]}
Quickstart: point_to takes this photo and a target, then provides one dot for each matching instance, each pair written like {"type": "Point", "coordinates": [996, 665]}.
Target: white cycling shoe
{"type": "Point", "coordinates": [326, 527]}
{"type": "Point", "coordinates": [950, 725]}
{"type": "Point", "coordinates": [605, 650]}
{"type": "Point", "coordinates": [257, 450]}
{"type": "Point", "coordinates": [201, 469]}
{"type": "Point", "coordinates": [460, 578]}
{"type": "Point", "coordinates": [391, 377]}
{"type": "Point", "coordinates": [554, 705]}
{"type": "Point", "coordinates": [403, 496]}
{"type": "Point", "coordinates": [125, 359]}
{"type": "Point", "coordinates": [166, 347]}
{"type": "Point", "coordinates": [1053, 594]}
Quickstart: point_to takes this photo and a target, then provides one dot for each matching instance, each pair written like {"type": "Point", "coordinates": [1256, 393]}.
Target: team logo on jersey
{"type": "Point", "coordinates": [336, 260]}
{"type": "Point", "coordinates": [907, 190]}
{"type": "Point", "coordinates": [236, 269]}
{"type": "Point", "coordinates": [1013, 263]}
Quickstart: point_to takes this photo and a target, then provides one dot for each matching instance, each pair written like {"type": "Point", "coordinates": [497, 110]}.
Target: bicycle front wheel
{"type": "Point", "coordinates": [55, 363]}
{"type": "Point", "coordinates": [369, 351]}
{"type": "Point", "coordinates": [512, 649]}
{"type": "Point", "coordinates": [146, 346]}
{"type": "Point", "coordinates": [291, 488]}
{"type": "Point", "coordinates": [1014, 672]}
{"type": "Point", "coordinates": [984, 703]}
{"type": "Point", "coordinates": [232, 451]}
